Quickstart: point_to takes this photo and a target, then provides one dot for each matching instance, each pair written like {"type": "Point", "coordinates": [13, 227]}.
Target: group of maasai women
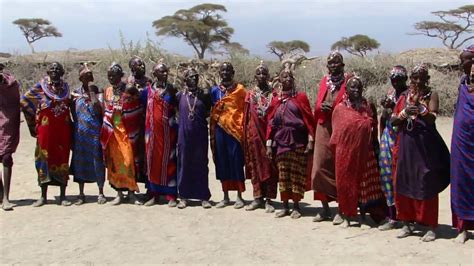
{"type": "Point", "coordinates": [144, 130]}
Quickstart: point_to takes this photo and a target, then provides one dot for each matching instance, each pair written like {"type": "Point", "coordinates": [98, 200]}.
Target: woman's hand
{"type": "Point", "coordinates": [470, 88]}
{"type": "Point", "coordinates": [309, 147]}
{"type": "Point", "coordinates": [387, 103]}
{"type": "Point", "coordinates": [269, 152]}
{"type": "Point", "coordinates": [412, 110]}
{"type": "Point", "coordinates": [326, 107]}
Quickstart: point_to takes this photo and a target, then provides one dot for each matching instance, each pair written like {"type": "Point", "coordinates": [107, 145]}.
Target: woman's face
{"type": "Point", "coordinates": [261, 75]}
{"type": "Point", "coordinates": [161, 73]}
{"type": "Point", "coordinates": [419, 79]}
{"type": "Point", "coordinates": [398, 82]}
{"type": "Point", "coordinates": [114, 77]}
{"type": "Point", "coordinates": [55, 71]}
{"type": "Point", "coordinates": [287, 81]}
{"type": "Point", "coordinates": [226, 72]}
{"type": "Point", "coordinates": [335, 65]}
{"type": "Point", "coordinates": [354, 90]}
{"type": "Point", "coordinates": [192, 81]}
{"type": "Point", "coordinates": [138, 68]}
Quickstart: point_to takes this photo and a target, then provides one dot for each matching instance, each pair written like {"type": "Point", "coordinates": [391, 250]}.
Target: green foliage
{"type": "Point", "coordinates": [235, 48]}
{"type": "Point", "coordinates": [358, 44]}
{"type": "Point", "coordinates": [287, 49]}
{"type": "Point", "coordinates": [245, 66]}
{"type": "Point", "coordinates": [36, 28]}
{"type": "Point", "coordinates": [202, 27]}
{"type": "Point", "coordinates": [453, 29]}
{"type": "Point", "coordinates": [373, 70]}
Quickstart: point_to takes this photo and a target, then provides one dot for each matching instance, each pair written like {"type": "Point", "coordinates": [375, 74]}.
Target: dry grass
{"type": "Point", "coordinates": [373, 70]}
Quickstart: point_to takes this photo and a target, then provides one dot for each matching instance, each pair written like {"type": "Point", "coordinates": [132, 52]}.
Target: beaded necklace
{"type": "Point", "coordinates": [334, 82]}
{"type": "Point", "coordinates": [191, 108]}
{"type": "Point", "coordinates": [258, 95]}
{"type": "Point", "coordinates": [117, 93]}
{"type": "Point", "coordinates": [160, 90]}
{"type": "Point", "coordinates": [58, 94]}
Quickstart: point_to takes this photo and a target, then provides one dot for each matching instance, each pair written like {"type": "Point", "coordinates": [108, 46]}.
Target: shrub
{"type": "Point", "coordinates": [373, 70]}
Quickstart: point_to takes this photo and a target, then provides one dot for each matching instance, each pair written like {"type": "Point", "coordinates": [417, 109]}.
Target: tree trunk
{"type": "Point", "coordinates": [201, 54]}
{"type": "Point", "coordinates": [32, 48]}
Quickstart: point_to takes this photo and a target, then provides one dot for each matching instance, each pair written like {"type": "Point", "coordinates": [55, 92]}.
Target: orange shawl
{"type": "Point", "coordinates": [228, 112]}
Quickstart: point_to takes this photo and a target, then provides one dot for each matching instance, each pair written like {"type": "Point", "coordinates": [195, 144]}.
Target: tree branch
{"type": "Point", "coordinates": [274, 51]}
{"type": "Point", "coordinates": [462, 42]}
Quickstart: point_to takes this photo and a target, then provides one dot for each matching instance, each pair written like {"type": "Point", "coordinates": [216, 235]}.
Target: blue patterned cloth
{"type": "Point", "coordinates": [87, 163]}
{"type": "Point", "coordinates": [387, 141]}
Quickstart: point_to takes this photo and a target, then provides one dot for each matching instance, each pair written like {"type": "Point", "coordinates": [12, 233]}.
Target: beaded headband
{"type": "Point", "coordinates": [116, 68]}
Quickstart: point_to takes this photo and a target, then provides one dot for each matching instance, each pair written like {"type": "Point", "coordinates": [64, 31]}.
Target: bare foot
{"type": "Point", "coordinates": [365, 226]}
{"type": "Point", "coordinates": [182, 204]}
{"type": "Point", "coordinates": [40, 202]}
{"type": "Point", "coordinates": [101, 199]}
{"type": "Point", "coordinates": [206, 204]}
{"type": "Point", "coordinates": [337, 219]}
{"type": "Point", "coordinates": [364, 223]}
{"type": "Point", "coordinates": [429, 236]}
{"type": "Point", "coordinates": [116, 201]}
{"type": "Point", "coordinates": [239, 203]}
{"type": "Point", "coordinates": [7, 206]}
{"type": "Point", "coordinates": [282, 213]}
{"type": "Point", "coordinates": [132, 198]}
{"type": "Point", "coordinates": [321, 216]}
{"type": "Point", "coordinates": [255, 204]}
{"type": "Point", "coordinates": [150, 202]}
{"type": "Point", "coordinates": [405, 231]}
{"type": "Point", "coordinates": [269, 207]}
{"type": "Point", "coordinates": [345, 223]}
{"type": "Point", "coordinates": [65, 202]}
{"type": "Point", "coordinates": [462, 237]}
{"type": "Point", "coordinates": [222, 203]}
{"type": "Point", "coordinates": [389, 225]}
{"type": "Point", "coordinates": [172, 203]}
{"type": "Point", "coordinates": [80, 200]}
{"type": "Point", "coordinates": [295, 214]}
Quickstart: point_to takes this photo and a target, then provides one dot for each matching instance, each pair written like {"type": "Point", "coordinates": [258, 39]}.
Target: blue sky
{"type": "Point", "coordinates": [88, 24]}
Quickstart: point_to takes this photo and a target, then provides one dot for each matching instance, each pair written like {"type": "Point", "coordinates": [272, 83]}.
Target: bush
{"type": "Point", "coordinates": [373, 70]}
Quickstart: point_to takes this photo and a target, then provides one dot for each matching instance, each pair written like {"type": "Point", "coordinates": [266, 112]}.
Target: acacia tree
{"type": "Point", "coordinates": [235, 47]}
{"type": "Point", "coordinates": [455, 24]}
{"type": "Point", "coordinates": [358, 44]}
{"type": "Point", "coordinates": [201, 26]}
{"type": "Point", "coordinates": [288, 49]}
{"type": "Point", "coordinates": [36, 28]}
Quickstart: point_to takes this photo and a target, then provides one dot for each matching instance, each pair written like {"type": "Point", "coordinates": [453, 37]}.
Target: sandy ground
{"type": "Point", "coordinates": [95, 233]}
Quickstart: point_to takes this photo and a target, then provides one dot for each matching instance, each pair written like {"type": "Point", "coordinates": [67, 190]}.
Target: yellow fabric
{"type": "Point", "coordinates": [228, 113]}
{"type": "Point", "coordinates": [120, 162]}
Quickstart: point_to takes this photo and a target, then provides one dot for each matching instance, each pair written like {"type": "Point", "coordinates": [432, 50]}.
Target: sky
{"type": "Point", "coordinates": [90, 24]}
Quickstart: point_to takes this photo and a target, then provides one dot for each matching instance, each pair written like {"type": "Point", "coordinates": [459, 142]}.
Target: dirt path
{"type": "Point", "coordinates": [135, 234]}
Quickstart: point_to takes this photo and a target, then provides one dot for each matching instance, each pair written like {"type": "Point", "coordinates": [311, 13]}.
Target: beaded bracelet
{"type": "Point", "coordinates": [423, 110]}
{"type": "Point", "coordinates": [402, 114]}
